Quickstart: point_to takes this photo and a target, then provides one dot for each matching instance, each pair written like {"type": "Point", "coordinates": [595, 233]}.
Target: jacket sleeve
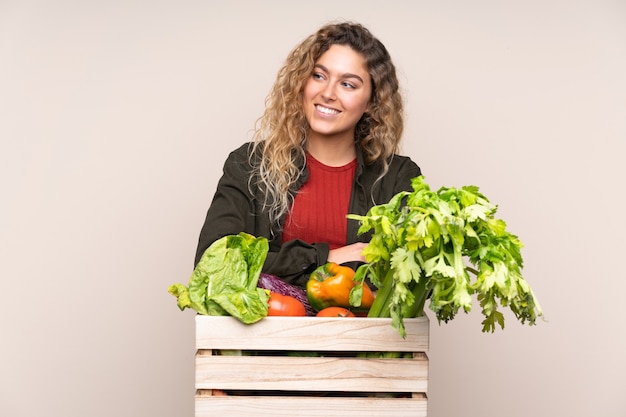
{"type": "Point", "coordinates": [294, 260]}
{"type": "Point", "coordinates": [407, 170]}
{"type": "Point", "coordinates": [231, 204]}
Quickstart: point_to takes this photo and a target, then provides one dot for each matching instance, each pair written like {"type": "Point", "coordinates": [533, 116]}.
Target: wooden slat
{"type": "Point", "coordinates": [312, 373]}
{"type": "Point", "coordinates": [311, 333]}
{"type": "Point", "coordinates": [310, 407]}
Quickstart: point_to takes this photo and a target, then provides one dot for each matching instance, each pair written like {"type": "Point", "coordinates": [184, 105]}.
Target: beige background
{"type": "Point", "coordinates": [116, 116]}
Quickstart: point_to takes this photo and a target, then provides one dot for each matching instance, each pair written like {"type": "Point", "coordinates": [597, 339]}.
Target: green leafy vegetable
{"type": "Point", "coordinates": [423, 243]}
{"type": "Point", "coordinates": [225, 280]}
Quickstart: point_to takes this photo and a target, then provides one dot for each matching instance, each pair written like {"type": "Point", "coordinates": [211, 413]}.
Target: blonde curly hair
{"type": "Point", "coordinates": [281, 131]}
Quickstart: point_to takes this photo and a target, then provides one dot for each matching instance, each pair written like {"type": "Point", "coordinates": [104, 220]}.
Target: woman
{"type": "Point", "coordinates": [325, 146]}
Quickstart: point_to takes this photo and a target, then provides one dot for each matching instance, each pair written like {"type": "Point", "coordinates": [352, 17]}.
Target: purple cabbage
{"type": "Point", "coordinates": [278, 285]}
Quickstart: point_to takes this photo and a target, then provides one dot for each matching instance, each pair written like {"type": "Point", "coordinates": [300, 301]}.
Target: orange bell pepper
{"type": "Point", "coordinates": [330, 285]}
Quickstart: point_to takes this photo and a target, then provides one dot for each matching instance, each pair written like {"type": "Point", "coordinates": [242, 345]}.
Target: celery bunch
{"type": "Point", "coordinates": [445, 246]}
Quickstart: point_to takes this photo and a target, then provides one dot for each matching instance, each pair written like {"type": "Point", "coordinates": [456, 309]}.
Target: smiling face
{"type": "Point", "coordinates": [337, 94]}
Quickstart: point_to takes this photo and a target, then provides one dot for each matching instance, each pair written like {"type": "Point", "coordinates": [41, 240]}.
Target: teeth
{"type": "Point", "coordinates": [326, 110]}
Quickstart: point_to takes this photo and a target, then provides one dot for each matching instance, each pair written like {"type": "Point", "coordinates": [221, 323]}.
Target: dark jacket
{"type": "Point", "coordinates": [237, 206]}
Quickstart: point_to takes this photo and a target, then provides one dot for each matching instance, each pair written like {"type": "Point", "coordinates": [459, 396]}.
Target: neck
{"type": "Point", "coordinates": [331, 152]}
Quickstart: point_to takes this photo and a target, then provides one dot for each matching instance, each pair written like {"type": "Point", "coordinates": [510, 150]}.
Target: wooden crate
{"type": "Point", "coordinates": [271, 377]}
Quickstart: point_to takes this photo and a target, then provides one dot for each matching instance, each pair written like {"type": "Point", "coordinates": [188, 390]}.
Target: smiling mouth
{"type": "Point", "coordinates": [326, 110]}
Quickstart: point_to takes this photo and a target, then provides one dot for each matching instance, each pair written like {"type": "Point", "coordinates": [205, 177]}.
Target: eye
{"type": "Point", "coordinates": [348, 85]}
{"type": "Point", "coordinates": [317, 76]}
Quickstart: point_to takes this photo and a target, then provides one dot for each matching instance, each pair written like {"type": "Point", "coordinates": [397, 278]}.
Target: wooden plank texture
{"type": "Point", "coordinates": [312, 373]}
{"type": "Point", "coordinates": [310, 407]}
{"type": "Point", "coordinates": [311, 333]}
{"type": "Point", "coordinates": [274, 376]}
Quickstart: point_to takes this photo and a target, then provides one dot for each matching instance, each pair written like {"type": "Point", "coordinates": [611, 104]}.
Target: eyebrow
{"type": "Point", "coordinates": [346, 75]}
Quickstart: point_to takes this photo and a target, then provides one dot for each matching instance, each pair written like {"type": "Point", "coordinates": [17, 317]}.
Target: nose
{"type": "Point", "coordinates": [328, 93]}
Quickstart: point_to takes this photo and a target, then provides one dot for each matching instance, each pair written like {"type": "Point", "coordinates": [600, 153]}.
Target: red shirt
{"type": "Point", "coordinates": [319, 210]}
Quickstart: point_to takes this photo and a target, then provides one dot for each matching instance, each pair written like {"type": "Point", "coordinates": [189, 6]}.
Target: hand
{"type": "Point", "coordinates": [347, 253]}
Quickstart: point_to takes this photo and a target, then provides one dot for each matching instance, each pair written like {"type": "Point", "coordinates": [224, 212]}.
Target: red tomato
{"type": "Point", "coordinates": [285, 305]}
{"type": "Point", "coordinates": [335, 312]}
